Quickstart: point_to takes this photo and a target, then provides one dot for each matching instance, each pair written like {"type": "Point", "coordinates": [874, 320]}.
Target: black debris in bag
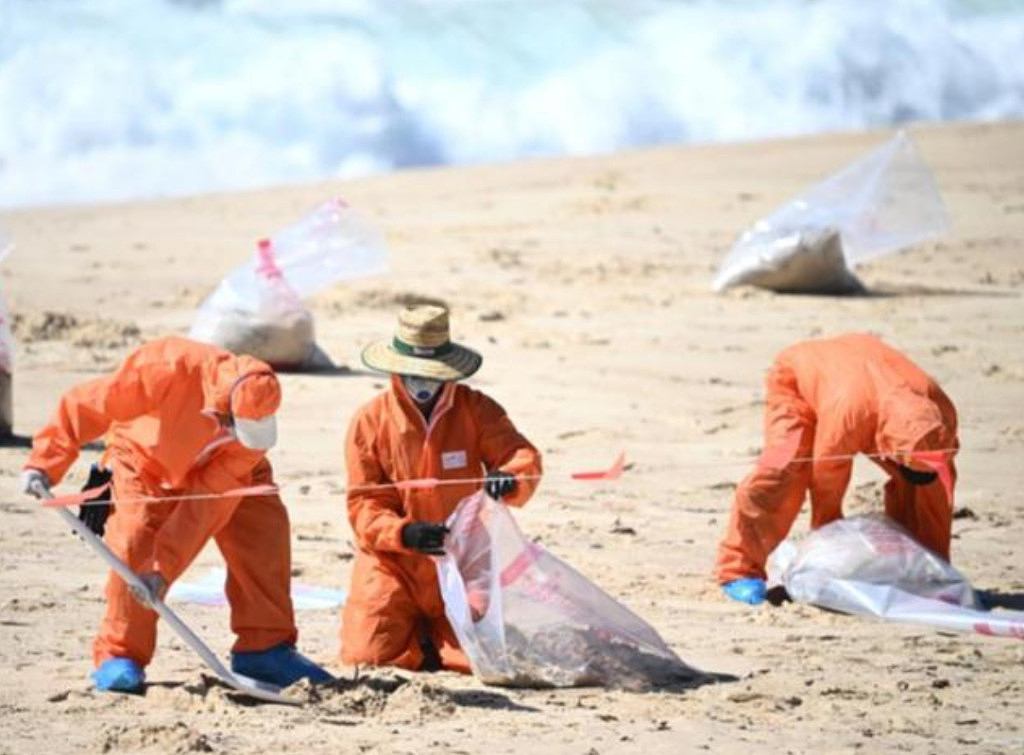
{"type": "Point", "coordinates": [525, 618]}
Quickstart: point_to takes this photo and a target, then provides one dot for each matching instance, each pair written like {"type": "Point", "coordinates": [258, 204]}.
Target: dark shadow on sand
{"type": "Point", "coordinates": [890, 291]}
{"type": "Point", "coordinates": [322, 371]}
{"type": "Point", "coordinates": [685, 685]}
{"type": "Point", "coordinates": [1011, 601]}
{"type": "Point", "coordinates": [894, 292]}
{"type": "Point", "coordinates": [25, 441]}
{"type": "Point", "coordinates": [15, 441]}
{"type": "Point", "coordinates": [202, 688]}
{"type": "Point", "coordinates": [484, 699]}
{"type": "Point", "coordinates": [320, 364]}
{"type": "Point", "coordinates": [777, 595]}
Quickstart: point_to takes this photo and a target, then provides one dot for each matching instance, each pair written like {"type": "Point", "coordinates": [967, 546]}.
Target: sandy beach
{"type": "Point", "coordinates": [585, 284]}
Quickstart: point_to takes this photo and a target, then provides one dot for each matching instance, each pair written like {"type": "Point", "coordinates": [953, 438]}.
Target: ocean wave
{"type": "Point", "coordinates": [122, 99]}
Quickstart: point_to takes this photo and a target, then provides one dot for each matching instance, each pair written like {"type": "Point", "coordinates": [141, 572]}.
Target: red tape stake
{"type": "Point", "coordinates": [86, 497]}
{"type": "Point", "coordinates": [613, 472]}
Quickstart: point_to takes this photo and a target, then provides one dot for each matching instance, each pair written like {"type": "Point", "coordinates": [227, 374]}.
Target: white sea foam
{"type": "Point", "coordinates": [116, 99]}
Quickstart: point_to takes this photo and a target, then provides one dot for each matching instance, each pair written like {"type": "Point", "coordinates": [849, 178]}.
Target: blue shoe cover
{"type": "Point", "coordinates": [750, 590]}
{"type": "Point", "coordinates": [118, 675]}
{"type": "Point", "coordinates": [281, 665]}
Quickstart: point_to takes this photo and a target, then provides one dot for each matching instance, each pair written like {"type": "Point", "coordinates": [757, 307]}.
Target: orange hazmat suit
{"type": "Point", "coordinates": [831, 399]}
{"type": "Point", "coordinates": [160, 414]}
{"type": "Point", "coordinates": [395, 600]}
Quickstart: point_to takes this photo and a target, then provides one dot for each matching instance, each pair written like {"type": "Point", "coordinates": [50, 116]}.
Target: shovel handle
{"type": "Point", "coordinates": [252, 687]}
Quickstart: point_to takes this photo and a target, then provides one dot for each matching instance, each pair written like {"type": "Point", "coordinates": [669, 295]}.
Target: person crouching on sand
{"type": "Point", "coordinates": [425, 425]}
{"type": "Point", "coordinates": [828, 400]}
{"type": "Point", "coordinates": [183, 418]}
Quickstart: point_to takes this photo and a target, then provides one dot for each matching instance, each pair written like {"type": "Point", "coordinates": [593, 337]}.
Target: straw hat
{"type": "Point", "coordinates": [422, 347]}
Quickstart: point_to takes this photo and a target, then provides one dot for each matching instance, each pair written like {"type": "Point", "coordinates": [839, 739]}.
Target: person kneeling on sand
{"type": "Point", "coordinates": [424, 425]}
{"type": "Point", "coordinates": [827, 401]}
{"type": "Point", "coordinates": [183, 418]}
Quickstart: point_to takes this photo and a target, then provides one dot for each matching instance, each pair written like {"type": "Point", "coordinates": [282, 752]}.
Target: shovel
{"type": "Point", "coordinates": [270, 693]}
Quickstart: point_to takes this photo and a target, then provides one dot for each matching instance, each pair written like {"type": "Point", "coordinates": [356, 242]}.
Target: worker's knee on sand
{"type": "Point", "coordinates": [368, 652]}
{"type": "Point", "coordinates": [399, 639]}
{"type": "Point", "coordinates": [415, 656]}
{"type": "Point", "coordinates": [379, 636]}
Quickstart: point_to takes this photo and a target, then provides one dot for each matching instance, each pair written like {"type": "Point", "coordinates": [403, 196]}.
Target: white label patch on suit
{"type": "Point", "coordinates": [453, 460]}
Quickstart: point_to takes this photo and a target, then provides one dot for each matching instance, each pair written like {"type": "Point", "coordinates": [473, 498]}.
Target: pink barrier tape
{"type": "Point", "coordinates": [1014, 630]}
{"type": "Point", "coordinates": [526, 558]}
{"type": "Point", "coordinates": [613, 472]}
{"type": "Point", "coordinates": [85, 498]}
{"type": "Point", "coordinates": [772, 457]}
{"type": "Point", "coordinates": [76, 499]}
{"type": "Point", "coordinates": [426, 482]}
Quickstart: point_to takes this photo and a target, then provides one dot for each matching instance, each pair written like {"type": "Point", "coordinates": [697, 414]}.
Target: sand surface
{"type": "Point", "coordinates": [586, 285]}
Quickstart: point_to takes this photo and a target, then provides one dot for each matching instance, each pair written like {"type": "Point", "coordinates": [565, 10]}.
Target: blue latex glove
{"type": "Point", "coordinates": [119, 675]}
{"type": "Point", "coordinates": [752, 590]}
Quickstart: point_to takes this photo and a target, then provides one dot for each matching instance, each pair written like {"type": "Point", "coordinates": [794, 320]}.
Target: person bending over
{"type": "Point", "coordinates": [828, 400]}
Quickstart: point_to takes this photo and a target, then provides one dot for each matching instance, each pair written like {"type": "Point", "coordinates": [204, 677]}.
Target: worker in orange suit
{"type": "Point", "coordinates": [183, 418]}
{"type": "Point", "coordinates": [828, 400]}
{"type": "Point", "coordinates": [425, 425]}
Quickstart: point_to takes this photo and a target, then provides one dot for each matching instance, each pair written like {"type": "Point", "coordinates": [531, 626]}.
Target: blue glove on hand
{"type": "Point", "coordinates": [752, 590]}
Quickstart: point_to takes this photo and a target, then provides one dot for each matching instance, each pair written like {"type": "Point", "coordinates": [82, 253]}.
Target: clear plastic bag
{"type": "Point", "coordinates": [258, 308]}
{"type": "Point", "coordinates": [6, 338]}
{"type": "Point", "coordinates": [885, 202]}
{"type": "Point", "coordinates": [210, 590]}
{"type": "Point", "coordinates": [525, 618]}
{"type": "Point", "coordinates": [870, 566]}
{"type": "Point", "coordinates": [7, 346]}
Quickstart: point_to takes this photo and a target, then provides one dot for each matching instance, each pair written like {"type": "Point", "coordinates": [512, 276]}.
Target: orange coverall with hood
{"type": "Point", "coordinates": [395, 600]}
{"type": "Point", "coordinates": [831, 399]}
{"type": "Point", "coordinates": [159, 413]}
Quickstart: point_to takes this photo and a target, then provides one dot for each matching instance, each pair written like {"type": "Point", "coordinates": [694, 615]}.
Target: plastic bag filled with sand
{"type": "Point", "coordinates": [258, 309]}
{"type": "Point", "coordinates": [878, 205]}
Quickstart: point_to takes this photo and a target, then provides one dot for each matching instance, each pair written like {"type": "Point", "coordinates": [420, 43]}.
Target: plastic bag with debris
{"type": "Point", "coordinates": [885, 202]}
{"type": "Point", "coordinates": [870, 566]}
{"type": "Point", "coordinates": [525, 618]}
{"type": "Point", "coordinates": [258, 308]}
{"type": "Point", "coordinates": [6, 355]}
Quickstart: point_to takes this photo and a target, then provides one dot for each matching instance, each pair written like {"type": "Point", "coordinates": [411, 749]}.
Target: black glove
{"type": "Point", "coordinates": [424, 537]}
{"type": "Point", "coordinates": [499, 484]}
{"type": "Point", "coordinates": [95, 512]}
{"type": "Point", "coordinates": [914, 477]}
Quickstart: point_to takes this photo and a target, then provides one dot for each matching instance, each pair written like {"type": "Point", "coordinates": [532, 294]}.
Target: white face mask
{"type": "Point", "coordinates": [421, 390]}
